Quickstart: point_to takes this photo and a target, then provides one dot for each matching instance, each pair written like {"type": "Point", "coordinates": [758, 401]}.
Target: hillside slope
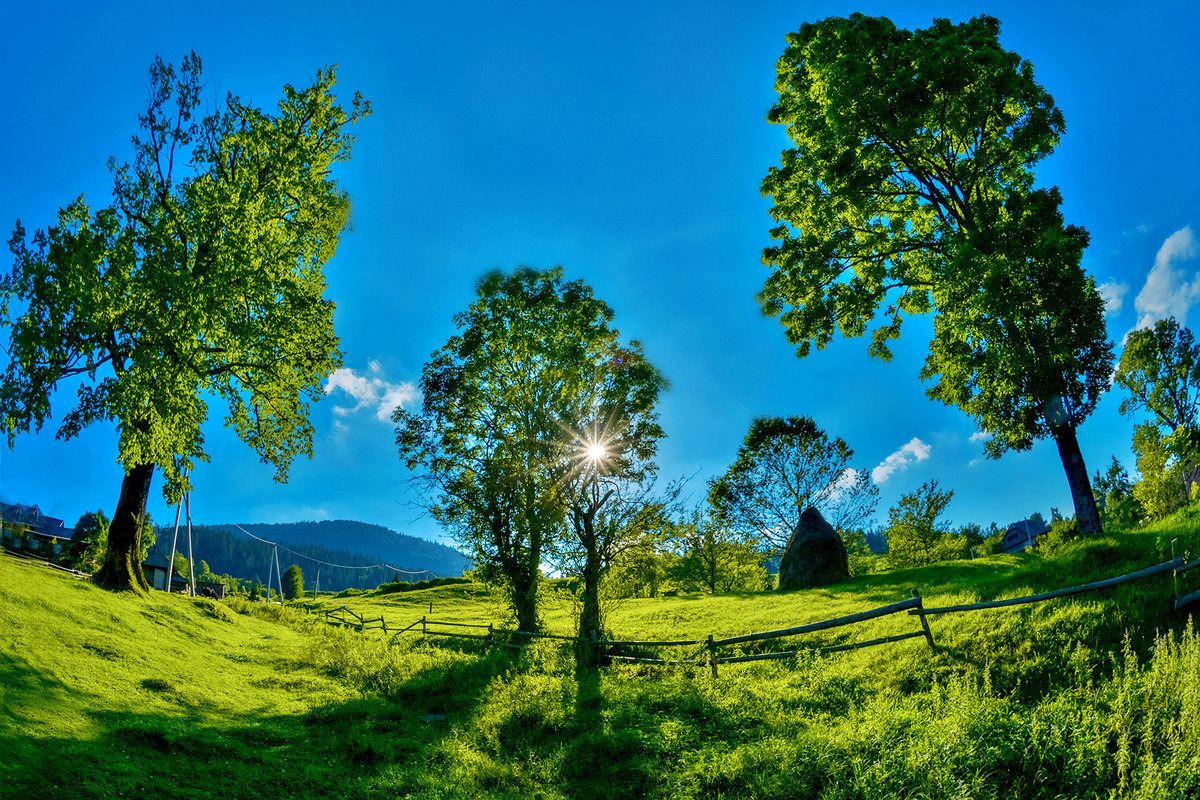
{"type": "Point", "coordinates": [113, 695]}
{"type": "Point", "coordinates": [358, 545]}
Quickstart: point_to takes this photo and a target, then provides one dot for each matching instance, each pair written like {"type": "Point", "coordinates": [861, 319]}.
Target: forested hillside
{"type": "Point", "coordinates": [229, 551]}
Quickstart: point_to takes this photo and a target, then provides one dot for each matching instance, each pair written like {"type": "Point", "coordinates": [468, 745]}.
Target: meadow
{"type": "Point", "coordinates": [111, 695]}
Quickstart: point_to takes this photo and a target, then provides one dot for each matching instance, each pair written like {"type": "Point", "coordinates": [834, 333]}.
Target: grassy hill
{"type": "Point", "coordinates": [228, 550]}
{"type": "Point", "coordinates": [108, 696]}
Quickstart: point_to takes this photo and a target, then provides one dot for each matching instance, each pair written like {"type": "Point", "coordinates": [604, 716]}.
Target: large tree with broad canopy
{"type": "Point", "coordinates": [910, 190]}
{"type": "Point", "coordinates": [202, 278]}
{"type": "Point", "coordinates": [785, 465]}
{"type": "Point", "coordinates": [530, 416]}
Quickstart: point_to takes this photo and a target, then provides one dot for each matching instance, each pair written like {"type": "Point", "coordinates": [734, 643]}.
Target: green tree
{"type": "Point", "coordinates": [87, 542]}
{"type": "Point", "coordinates": [909, 191]}
{"type": "Point", "coordinates": [644, 567]}
{"type": "Point", "coordinates": [1160, 368]}
{"type": "Point", "coordinates": [717, 558]}
{"type": "Point", "coordinates": [606, 516]}
{"type": "Point", "coordinates": [508, 406]}
{"type": "Point", "coordinates": [1114, 496]}
{"type": "Point", "coordinates": [784, 466]}
{"type": "Point", "coordinates": [183, 568]}
{"type": "Point", "coordinates": [860, 559]}
{"type": "Point", "coordinates": [915, 537]}
{"type": "Point", "coordinates": [204, 277]}
{"type": "Point", "coordinates": [293, 582]}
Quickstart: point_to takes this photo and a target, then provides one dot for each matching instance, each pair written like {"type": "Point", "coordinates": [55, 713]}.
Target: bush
{"type": "Point", "coordinates": [405, 586]}
{"type": "Point", "coordinates": [1062, 532]}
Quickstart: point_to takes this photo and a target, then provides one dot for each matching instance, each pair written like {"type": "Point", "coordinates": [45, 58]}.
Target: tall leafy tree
{"type": "Point", "coordinates": [914, 534]}
{"type": "Point", "coordinates": [86, 549]}
{"type": "Point", "coordinates": [608, 469]}
{"type": "Point", "coordinates": [293, 582]}
{"type": "Point", "coordinates": [202, 278]}
{"type": "Point", "coordinates": [510, 406]}
{"type": "Point", "coordinates": [785, 465]}
{"type": "Point", "coordinates": [1160, 369]}
{"type": "Point", "coordinates": [909, 190]}
{"type": "Point", "coordinates": [716, 557]}
{"type": "Point", "coordinates": [608, 514]}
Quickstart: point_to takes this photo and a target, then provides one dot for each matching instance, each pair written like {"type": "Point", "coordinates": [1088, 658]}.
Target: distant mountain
{"type": "Point", "coordinates": [358, 545]}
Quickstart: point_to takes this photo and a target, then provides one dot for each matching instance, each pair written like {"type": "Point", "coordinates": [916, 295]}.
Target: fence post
{"type": "Point", "coordinates": [924, 622]}
{"type": "Point", "coordinates": [712, 656]}
{"type": "Point", "coordinates": [1175, 572]}
{"type": "Point", "coordinates": [383, 622]}
{"type": "Point", "coordinates": [491, 635]}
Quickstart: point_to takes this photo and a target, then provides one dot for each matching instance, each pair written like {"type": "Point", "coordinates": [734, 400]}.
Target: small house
{"type": "Point", "coordinates": [155, 569]}
{"type": "Point", "coordinates": [37, 527]}
{"type": "Point", "coordinates": [1021, 535]}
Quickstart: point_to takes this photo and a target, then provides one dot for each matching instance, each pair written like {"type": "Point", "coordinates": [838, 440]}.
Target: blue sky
{"type": "Point", "coordinates": [625, 142]}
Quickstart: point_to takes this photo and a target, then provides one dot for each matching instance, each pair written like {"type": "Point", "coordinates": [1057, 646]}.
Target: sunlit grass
{"type": "Point", "coordinates": [110, 695]}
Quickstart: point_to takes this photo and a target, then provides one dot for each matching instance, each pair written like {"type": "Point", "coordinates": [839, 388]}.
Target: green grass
{"type": "Point", "coordinates": [108, 695]}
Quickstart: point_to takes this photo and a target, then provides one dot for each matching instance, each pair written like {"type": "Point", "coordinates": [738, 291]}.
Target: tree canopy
{"type": "Point", "coordinates": [909, 191]}
{"type": "Point", "coordinates": [511, 406]}
{"type": "Point", "coordinates": [1160, 369]}
{"type": "Point", "coordinates": [202, 278]}
{"type": "Point", "coordinates": [293, 582]}
{"type": "Point", "coordinates": [914, 535]}
{"type": "Point", "coordinates": [784, 466]}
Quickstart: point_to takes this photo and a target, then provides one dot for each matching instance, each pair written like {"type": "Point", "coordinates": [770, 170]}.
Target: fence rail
{"type": "Point", "coordinates": [1174, 565]}
{"type": "Point", "coordinates": [812, 627]}
{"type": "Point", "coordinates": [708, 653]}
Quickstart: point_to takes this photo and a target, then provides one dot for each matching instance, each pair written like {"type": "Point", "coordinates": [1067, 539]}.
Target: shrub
{"type": "Point", "coordinates": [405, 586]}
{"type": "Point", "coordinates": [1062, 532]}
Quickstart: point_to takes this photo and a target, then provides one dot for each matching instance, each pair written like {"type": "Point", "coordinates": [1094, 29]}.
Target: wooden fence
{"type": "Point", "coordinates": [709, 650]}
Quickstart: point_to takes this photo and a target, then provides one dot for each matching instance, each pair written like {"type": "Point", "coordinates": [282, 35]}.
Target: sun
{"type": "Point", "coordinates": [596, 452]}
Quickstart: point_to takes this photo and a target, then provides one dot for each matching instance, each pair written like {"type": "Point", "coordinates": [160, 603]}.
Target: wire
{"type": "Point", "coordinates": [338, 566]}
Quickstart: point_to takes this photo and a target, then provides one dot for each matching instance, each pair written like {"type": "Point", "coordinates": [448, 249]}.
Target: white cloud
{"type": "Point", "coordinates": [370, 391]}
{"type": "Point", "coordinates": [845, 481]}
{"type": "Point", "coordinates": [902, 459]}
{"type": "Point", "coordinates": [1169, 292]}
{"type": "Point", "coordinates": [1113, 295]}
{"type": "Point", "coordinates": [980, 436]}
{"type": "Point", "coordinates": [1142, 228]}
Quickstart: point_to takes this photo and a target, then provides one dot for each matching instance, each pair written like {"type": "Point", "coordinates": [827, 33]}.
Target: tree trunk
{"type": "Point", "coordinates": [122, 568]}
{"type": "Point", "coordinates": [589, 615]}
{"type": "Point", "coordinates": [1087, 517]}
{"type": "Point", "coordinates": [524, 595]}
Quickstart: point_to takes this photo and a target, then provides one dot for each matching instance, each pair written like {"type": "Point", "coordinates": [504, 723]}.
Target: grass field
{"type": "Point", "coordinates": [119, 696]}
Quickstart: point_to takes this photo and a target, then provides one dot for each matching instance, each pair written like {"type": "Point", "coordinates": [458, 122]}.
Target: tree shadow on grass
{"type": "Point", "coordinates": [382, 745]}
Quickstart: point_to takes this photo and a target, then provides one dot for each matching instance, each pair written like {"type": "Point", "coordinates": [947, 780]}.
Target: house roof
{"type": "Point", "coordinates": [36, 521]}
{"type": "Point", "coordinates": [157, 557]}
{"type": "Point", "coordinates": [1020, 534]}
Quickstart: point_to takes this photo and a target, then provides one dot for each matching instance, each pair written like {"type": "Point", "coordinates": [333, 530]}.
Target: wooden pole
{"type": "Point", "coordinates": [924, 622]}
{"type": "Point", "coordinates": [278, 575]}
{"type": "Point", "coordinates": [1175, 572]}
{"type": "Point", "coordinates": [187, 504]}
{"type": "Point", "coordinates": [174, 541]}
{"type": "Point", "coordinates": [317, 585]}
{"type": "Point", "coordinates": [712, 656]}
